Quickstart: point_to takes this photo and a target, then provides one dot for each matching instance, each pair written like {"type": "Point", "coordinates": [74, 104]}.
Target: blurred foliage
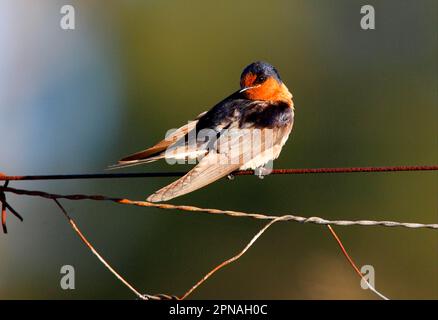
{"type": "Point", "coordinates": [76, 101]}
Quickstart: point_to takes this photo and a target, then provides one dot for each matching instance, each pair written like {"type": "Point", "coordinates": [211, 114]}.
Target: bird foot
{"type": "Point", "coordinates": [261, 172]}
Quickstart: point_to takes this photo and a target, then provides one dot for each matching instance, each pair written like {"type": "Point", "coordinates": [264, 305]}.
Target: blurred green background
{"type": "Point", "coordinates": [76, 101]}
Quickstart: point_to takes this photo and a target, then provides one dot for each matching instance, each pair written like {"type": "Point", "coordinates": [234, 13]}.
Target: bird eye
{"type": "Point", "coordinates": [261, 79]}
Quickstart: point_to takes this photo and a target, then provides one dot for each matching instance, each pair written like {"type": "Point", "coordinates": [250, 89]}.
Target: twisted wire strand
{"type": "Point", "coordinates": [260, 216]}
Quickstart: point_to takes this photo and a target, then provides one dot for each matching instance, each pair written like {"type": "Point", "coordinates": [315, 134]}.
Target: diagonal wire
{"type": "Point", "coordinates": [232, 259]}
{"type": "Point", "coordinates": [351, 262]}
{"type": "Point", "coordinates": [105, 263]}
{"type": "Point", "coordinates": [94, 251]}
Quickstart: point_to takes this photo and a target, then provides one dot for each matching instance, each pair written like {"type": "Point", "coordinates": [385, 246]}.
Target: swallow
{"type": "Point", "coordinates": [246, 131]}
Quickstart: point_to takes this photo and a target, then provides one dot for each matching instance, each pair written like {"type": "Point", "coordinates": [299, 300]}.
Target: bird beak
{"type": "Point", "coordinates": [248, 88]}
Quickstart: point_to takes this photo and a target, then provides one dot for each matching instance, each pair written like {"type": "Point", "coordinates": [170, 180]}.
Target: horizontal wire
{"type": "Point", "coordinates": [237, 173]}
{"type": "Point", "coordinates": [166, 206]}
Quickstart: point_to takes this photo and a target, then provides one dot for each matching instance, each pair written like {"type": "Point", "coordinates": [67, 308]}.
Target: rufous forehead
{"type": "Point", "coordinates": [248, 80]}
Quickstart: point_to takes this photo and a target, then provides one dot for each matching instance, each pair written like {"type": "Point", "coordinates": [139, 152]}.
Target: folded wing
{"type": "Point", "coordinates": [233, 149]}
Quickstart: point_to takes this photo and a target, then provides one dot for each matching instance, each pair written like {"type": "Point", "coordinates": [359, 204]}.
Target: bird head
{"type": "Point", "coordinates": [261, 81]}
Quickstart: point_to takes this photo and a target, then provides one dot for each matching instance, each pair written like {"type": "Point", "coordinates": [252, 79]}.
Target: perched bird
{"type": "Point", "coordinates": [245, 131]}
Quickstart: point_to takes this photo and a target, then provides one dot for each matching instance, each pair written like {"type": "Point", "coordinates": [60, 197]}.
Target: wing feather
{"type": "Point", "coordinates": [232, 150]}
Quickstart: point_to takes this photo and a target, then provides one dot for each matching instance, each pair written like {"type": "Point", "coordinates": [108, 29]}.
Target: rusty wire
{"type": "Point", "coordinates": [237, 173]}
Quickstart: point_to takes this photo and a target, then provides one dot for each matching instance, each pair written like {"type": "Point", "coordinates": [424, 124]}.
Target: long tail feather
{"type": "Point", "coordinates": [126, 164]}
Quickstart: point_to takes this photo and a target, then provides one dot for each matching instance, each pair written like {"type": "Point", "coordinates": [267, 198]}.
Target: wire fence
{"type": "Point", "coordinates": [5, 206]}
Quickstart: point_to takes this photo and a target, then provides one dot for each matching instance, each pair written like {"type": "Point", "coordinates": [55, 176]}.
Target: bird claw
{"type": "Point", "coordinates": [261, 172]}
{"type": "Point", "coordinates": [260, 176]}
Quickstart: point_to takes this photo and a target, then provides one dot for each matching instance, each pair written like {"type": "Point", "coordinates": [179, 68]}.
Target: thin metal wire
{"type": "Point", "coordinates": [351, 262]}
{"type": "Point", "coordinates": [272, 218]}
{"type": "Point", "coordinates": [237, 173]}
{"type": "Point", "coordinates": [260, 216]}
{"type": "Point", "coordinates": [230, 260]}
{"type": "Point", "coordinates": [94, 251]}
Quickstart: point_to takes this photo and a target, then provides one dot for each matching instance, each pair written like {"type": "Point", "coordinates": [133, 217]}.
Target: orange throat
{"type": "Point", "coordinates": [271, 90]}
